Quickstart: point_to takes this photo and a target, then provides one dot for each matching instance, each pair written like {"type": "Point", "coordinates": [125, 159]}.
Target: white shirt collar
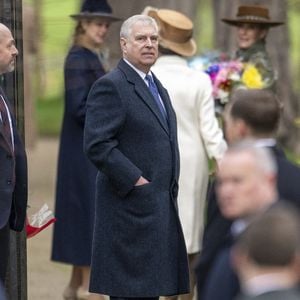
{"type": "Point", "coordinates": [265, 142]}
{"type": "Point", "coordinates": [264, 283]}
{"type": "Point", "coordinates": [141, 73]}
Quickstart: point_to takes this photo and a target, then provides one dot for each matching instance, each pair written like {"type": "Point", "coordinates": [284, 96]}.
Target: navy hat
{"type": "Point", "coordinates": [91, 9]}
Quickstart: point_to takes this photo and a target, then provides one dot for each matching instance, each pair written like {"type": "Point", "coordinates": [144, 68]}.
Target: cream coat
{"type": "Point", "coordinates": [199, 138]}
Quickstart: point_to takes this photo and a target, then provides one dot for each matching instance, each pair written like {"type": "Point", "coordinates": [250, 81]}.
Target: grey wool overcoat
{"type": "Point", "coordinates": [138, 246]}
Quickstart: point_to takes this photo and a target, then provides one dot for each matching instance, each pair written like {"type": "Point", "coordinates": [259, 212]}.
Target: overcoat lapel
{"type": "Point", "coordinates": [144, 93]}
{"type": "Point", "coordinates": [4, 141]}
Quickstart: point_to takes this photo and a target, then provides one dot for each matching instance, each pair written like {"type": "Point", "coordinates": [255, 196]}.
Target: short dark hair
{"type": "Point", "coordinates": [272, 239]}
{"type": "Point", "coordinates": [258, 108]}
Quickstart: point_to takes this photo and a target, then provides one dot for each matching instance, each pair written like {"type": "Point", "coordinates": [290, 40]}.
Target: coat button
{"type": "Point", "coordinates": [9, 182]}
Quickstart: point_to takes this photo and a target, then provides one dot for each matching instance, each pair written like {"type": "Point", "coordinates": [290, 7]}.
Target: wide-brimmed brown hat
{"type": "Point", "coordinates": [92, 9]}
{"type": "Point", "coordinates": [252, 14]}
{"type": "Point", "coordinates": [175, 31]}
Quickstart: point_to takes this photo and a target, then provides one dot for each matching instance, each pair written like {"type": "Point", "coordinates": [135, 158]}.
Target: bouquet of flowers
{"type": "Point", "coordinates": [39, 221]}
{"type": "Point", "coordinates": [226, 74]}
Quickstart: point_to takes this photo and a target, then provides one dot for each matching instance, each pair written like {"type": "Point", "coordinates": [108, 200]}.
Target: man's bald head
{"type": "Point", "coordinates": [8, 50]}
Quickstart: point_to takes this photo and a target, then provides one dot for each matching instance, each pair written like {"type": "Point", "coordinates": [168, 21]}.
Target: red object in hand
{"type": "Point", "coordinates": [32, 230]}
{"type": "Point", "coordinates": [39, 221]}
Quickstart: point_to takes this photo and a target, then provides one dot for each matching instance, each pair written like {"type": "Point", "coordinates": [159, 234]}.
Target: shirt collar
{"type": "Point", "coordinates": [265, 283]}
{"type": "Point", "coordinates": [141, 73]}
{"type": "Point", "coordinates": [265, 142]}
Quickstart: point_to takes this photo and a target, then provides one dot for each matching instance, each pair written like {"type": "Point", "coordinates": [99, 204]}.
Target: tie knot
{"type": "Point", "coordinates": [149, 78]}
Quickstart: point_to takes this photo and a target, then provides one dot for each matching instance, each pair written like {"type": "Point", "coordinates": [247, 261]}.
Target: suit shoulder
{"type": "Point", "coordinates": [287, 167]}
{"type": "Point", "coordinates": [113, 77]}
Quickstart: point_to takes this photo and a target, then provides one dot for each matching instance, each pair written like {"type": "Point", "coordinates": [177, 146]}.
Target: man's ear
{"type": "Point", "coordinates": [240, 262]}
{"type": "Point", "coordinates": [123, 45]}
{"type": "Point", "coordinates": [242, 128]}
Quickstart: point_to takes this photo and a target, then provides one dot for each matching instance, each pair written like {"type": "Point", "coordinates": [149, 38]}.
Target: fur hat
{"type": "Point", "coordinates": [175, 31]}
{"type": "Point", "coordinates": [254, 15]}
{"type": "Point", "coordinates": [91, 9]}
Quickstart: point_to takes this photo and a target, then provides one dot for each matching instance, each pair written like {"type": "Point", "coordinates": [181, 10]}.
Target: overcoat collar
{"type": "Point", "coordinates": [144, 93]}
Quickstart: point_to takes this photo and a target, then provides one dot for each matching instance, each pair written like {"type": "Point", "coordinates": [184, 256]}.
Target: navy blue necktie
{"type": "Point", "coordinates": [154, 91]}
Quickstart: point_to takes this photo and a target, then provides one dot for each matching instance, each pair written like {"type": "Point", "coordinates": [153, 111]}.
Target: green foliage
{"type": "Point", "coordinates": [293, 22]}
{"type": "Point", "coordinates": [204, 26]}
{"type": "Point", "coordinates": [56, 36]}
{"type": "Point", "coordinates": [57, 26]}
{"type": "Point", "coordinates": [292, 157]}
{"type": "Point", "coordinates": [49, 114]}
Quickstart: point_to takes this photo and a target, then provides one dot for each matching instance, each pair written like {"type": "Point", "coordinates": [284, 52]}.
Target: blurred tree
{"type": "Point", "coordinates": [37, 14]}
{"type": "Point", "coordinates": [30, 49]}
{"type": "Point", "coordinates": [278, 46]}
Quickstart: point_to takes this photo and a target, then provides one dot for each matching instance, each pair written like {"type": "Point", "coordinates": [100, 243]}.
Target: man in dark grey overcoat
{"type": "Point", "coordinates": [13, 162]}
{"type": "Point", "coordinates": [138, 245]}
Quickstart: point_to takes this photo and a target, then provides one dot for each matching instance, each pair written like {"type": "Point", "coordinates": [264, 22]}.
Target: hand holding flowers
{"type": "Point", "coordinates": [227, 75]}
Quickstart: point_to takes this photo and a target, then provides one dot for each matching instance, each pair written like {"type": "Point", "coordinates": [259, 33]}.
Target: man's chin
{"type": "Point", "coordinates": [230, 215]}
{"type": "Point", "coordinates": [10, 69]}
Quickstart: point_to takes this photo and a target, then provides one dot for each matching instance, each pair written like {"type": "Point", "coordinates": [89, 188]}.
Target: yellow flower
{"type": "Point", "coordinates": [251, 77]}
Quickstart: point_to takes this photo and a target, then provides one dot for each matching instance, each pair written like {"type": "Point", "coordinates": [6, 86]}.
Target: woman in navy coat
{"type": "Point", "coordinates": [75, 190]}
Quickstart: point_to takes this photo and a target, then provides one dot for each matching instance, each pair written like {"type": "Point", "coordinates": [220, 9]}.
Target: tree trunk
{"type": "Point", "coordinates": [125, 9]}
{"type": "Point", "coordinates": [289, 134]}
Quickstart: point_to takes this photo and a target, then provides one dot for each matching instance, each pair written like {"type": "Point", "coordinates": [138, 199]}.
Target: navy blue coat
{"type": "Point", "coordinates": [76, 175]}
{"type": "Point", "coordinates": [138, 245]}
{"type": "Point", "coordinates": [13, 197]}
{"type": "Point", "coordinates": [217, 230]}
{"type": "Point", "coordinates": [2, 292]}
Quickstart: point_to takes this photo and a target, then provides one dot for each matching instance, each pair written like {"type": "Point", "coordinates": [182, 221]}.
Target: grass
{"type": "Point", "coordinates": [56, 36]}
{"type": "Point", "coordinates": [49, 116]}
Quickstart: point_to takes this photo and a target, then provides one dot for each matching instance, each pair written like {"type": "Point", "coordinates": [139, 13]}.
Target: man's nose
{"type": "Point", "coordinates": [15, 51]}
{"type": "Point", "coordinates": [149, 42]}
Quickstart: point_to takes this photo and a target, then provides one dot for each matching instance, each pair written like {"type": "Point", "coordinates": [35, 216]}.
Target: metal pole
{"type": "Point", "coordinates": [11, 15]}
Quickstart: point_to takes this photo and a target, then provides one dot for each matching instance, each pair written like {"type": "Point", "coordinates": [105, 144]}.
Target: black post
{"type": "Point", "coordinates": [11, 16]}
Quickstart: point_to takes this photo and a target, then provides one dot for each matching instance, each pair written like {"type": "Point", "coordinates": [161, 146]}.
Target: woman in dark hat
{"type": "Point", "coordinates": [253, 23]}
{"type": "Point", "coordinates": [75, 190]}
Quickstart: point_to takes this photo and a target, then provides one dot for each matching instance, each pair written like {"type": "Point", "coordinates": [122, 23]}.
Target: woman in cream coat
{"type": "Point", "coordinates": [199, 135]}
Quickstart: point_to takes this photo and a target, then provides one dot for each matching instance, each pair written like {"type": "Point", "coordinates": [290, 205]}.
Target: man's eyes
{"type": "Point", "coordinates": [144, 39]}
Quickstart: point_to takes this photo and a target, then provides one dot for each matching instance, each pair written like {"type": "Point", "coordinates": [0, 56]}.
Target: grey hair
{"type": "Point", "coordinates": [263, 157]}
{"type": "Point", "coordinates": [127, 24]}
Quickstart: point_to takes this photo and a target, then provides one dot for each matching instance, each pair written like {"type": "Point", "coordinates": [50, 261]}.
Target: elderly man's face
{"type": "Point", "coordinates": [141, 47]}
{"type": "Point", "coordinates": [242, 187]}
{"type": "Point", "coordinates": [8, 50]}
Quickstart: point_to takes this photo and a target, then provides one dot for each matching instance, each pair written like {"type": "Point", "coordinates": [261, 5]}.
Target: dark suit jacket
{"type": "Point", "coordinates": [288, 294]}
{"type": "Point", "coordinates": [2, 292]}
{"type": "Point", "coordinates": [13, 197]}
{"type": "Point", "coordinates": [138, 245]}
{"type": "Point", "coordinates": [216, 233]}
